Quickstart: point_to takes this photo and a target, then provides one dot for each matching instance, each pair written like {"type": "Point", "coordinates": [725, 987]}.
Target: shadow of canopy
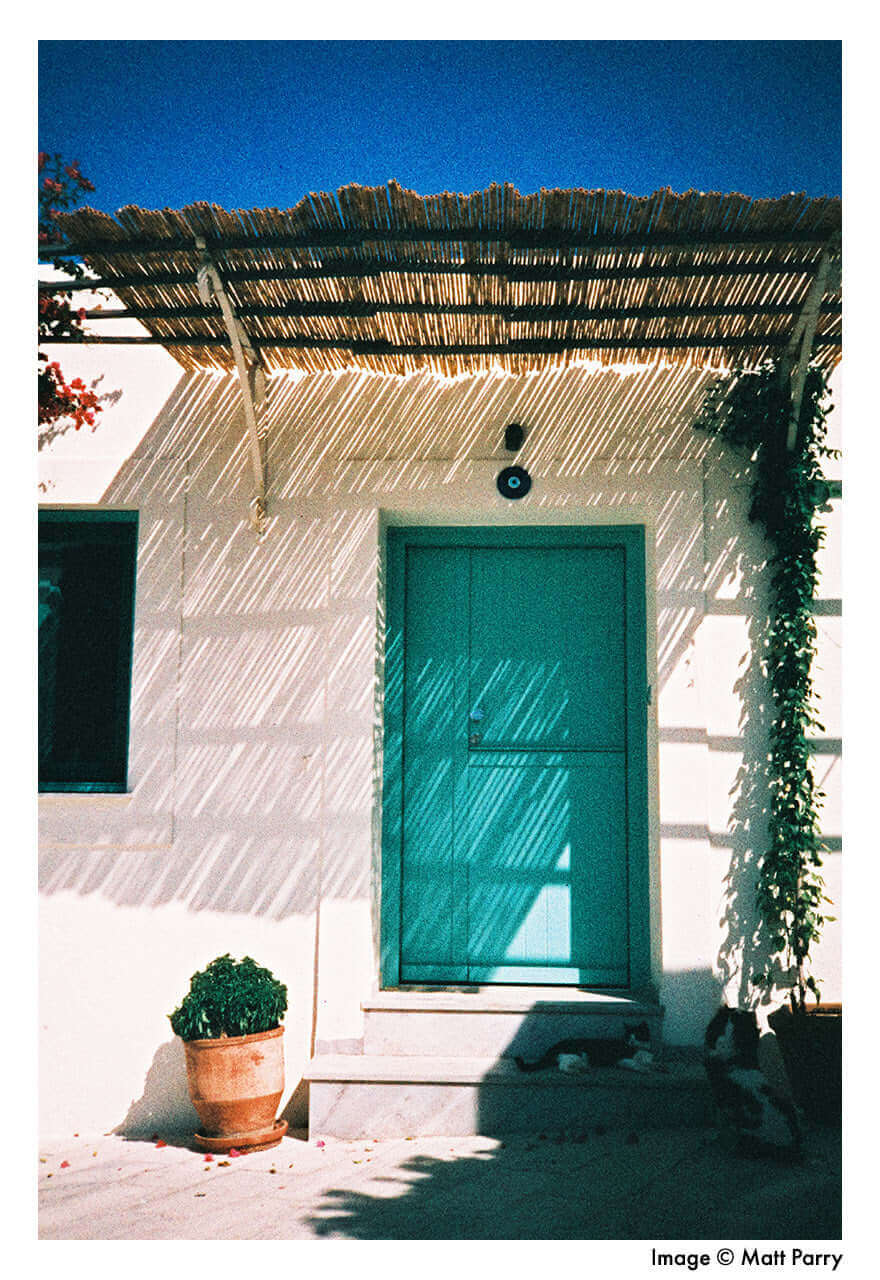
{"type": "Point", "coordinates": [236, 762]}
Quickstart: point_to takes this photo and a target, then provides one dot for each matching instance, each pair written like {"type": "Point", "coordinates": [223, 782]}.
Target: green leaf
{"type": "Point", "coordinates": [230, 997]}
{"type": "Point", "coordinates": [750, 411]}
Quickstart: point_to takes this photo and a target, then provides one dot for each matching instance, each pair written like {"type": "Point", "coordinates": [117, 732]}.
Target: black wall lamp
{"type": "Point", "coordinates": [514, 435]}
{"type": "Point", "coordinates": [513, 482]}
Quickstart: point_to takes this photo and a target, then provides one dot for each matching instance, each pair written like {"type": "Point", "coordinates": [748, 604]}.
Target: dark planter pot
{"type": "Point", "coordinates": [812, 1047]}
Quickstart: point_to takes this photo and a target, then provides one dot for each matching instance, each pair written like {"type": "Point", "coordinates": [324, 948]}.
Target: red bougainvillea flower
{"type": "Point", "coordinates": [65, 1164]}
{"type": "Point", "coordinates": [160, 1143]}
{"type": "Point", "coordinates": [72, 172]}
{"type": "Point", "coordinates": [233, 1152]}
{"type": "Point", "coordinates": [60, 187]}
{"type": "Point", "coordinates": [208, 1158]}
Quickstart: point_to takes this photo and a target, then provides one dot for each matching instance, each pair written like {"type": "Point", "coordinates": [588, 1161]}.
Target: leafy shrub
{"type": "Point", "coordinates": [230, 998]}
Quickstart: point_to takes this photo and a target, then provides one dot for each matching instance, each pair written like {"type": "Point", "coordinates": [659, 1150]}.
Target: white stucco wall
{"type": "Point", "coordinates": [251, 821]}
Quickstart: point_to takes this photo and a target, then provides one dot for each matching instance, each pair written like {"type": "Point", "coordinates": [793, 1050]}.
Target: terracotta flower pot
{"type": "Point", "coordinates": [236, 1084]}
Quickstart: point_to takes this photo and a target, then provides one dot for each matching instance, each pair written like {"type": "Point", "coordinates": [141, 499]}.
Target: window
{"type": "Point", "coordinates": [85, 615]}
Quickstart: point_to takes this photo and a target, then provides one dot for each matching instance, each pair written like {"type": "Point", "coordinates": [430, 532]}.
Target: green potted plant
{"type": "Point", "coordinates": [752, 411]}
{"type": "Point", "coordinates": [230, 1025]}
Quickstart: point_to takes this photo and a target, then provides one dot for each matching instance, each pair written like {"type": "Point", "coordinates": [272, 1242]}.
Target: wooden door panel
{"type": "Point", "coordinates": [546, 652]}
{"type": "Point", "coordinates": [545, 845]}
{"type": "Point", "coordinates": [518, 669]}
{"type": "Point", "coordinates": [430, 898]}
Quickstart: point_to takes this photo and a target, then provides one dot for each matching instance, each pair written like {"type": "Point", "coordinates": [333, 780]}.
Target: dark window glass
{"type": "Point", "coordinates": [85, 612]}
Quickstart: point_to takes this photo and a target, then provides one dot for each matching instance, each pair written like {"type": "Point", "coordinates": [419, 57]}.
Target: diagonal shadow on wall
{"type": "Point", "coordinates": [237, 768]}
{"type": "Point", "coordinates": [234, 758]}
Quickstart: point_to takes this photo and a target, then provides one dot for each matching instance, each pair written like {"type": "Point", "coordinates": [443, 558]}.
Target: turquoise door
{"type": "Point", "coordinates": [514, 799]}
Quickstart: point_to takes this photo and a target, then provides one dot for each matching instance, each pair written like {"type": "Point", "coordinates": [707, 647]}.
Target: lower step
{"type": "Point", "coordinates": [362, 1096]}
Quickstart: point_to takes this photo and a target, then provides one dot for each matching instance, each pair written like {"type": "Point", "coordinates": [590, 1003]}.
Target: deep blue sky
{"type": "Point", "coordinates": [255, 123]}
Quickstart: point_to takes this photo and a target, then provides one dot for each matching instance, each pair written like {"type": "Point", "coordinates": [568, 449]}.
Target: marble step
{"type": "Point", "coordinates": [497, 1022]}
{"type": "Point", "coordinates": [382, 1096]}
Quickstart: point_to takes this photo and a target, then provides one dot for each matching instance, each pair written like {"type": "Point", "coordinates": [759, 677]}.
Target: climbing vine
{"type": "Point", "coordinates": [751, 411]}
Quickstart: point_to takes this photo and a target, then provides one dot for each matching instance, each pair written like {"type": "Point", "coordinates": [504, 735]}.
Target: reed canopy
{"type": "Point", "coordinates": [385, 279]}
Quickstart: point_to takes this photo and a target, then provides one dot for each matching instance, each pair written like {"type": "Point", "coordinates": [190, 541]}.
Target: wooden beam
{"type": "Point", "coordinates": [565, 238]}
{"type": "Point", "coordinates": [507, 271]}
{"type": "Point", "coordinates": [514, 346]}
{"type": "Point", "coordinates": [516, 314]}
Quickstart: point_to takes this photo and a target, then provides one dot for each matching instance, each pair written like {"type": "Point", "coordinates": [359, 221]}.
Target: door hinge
{"type": "Point", "coordinates": [648, 696]}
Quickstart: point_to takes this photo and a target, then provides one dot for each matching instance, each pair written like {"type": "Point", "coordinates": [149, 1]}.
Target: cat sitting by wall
{"type": "Point", "coordinates": [756, 1117]}
{"type": "Point", "coordinates": [631, 1051]}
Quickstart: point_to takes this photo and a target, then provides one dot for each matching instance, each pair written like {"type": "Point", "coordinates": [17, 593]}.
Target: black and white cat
{"type": "Point", "coordinates": [632, 1051]}
{"type": "Point", "coordinates": [757, 1116]}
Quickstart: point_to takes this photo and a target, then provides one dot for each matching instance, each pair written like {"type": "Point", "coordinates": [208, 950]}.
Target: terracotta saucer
{"type": "Point", "coordinates": [258, 1140]}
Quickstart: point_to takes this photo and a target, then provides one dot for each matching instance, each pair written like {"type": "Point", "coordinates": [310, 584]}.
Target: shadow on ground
{"type": "Point", "coordinates": [600, 1186]}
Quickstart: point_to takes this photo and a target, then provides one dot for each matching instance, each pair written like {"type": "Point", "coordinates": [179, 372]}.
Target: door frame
{"type": "Point", "coordinates": [630, 539]}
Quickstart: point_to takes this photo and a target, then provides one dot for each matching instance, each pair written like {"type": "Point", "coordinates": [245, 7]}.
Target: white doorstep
{"type": "Point", "coordinates": [511, 1000]}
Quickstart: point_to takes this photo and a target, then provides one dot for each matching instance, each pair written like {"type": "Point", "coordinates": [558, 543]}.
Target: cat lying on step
{"type": "Point", "coordinates": [756, 1117]}
{"type": "Point", "coordinates": [632, 1051]}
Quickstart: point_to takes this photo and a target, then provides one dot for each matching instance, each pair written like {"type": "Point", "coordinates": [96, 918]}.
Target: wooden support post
{"type": "Point", "coordinates": [802, 337]}
{"type": "Point", "coordinates": [251, 378]}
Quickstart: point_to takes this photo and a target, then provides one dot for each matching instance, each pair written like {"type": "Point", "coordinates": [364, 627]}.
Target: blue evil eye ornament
{"type": "Point", "coordinates": [514, 482]}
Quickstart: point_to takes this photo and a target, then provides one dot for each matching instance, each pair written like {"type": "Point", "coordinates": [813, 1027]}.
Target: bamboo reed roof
{"type": "Point", "coordinates": [382, 278]}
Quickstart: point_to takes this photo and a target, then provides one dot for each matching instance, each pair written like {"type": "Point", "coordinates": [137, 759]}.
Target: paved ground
{"type": "Point", "coordinates": [660, 1185]}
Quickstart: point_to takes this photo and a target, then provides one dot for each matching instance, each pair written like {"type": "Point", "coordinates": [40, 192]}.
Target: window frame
{"type": "Point", "coordinates": [103, 785]}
